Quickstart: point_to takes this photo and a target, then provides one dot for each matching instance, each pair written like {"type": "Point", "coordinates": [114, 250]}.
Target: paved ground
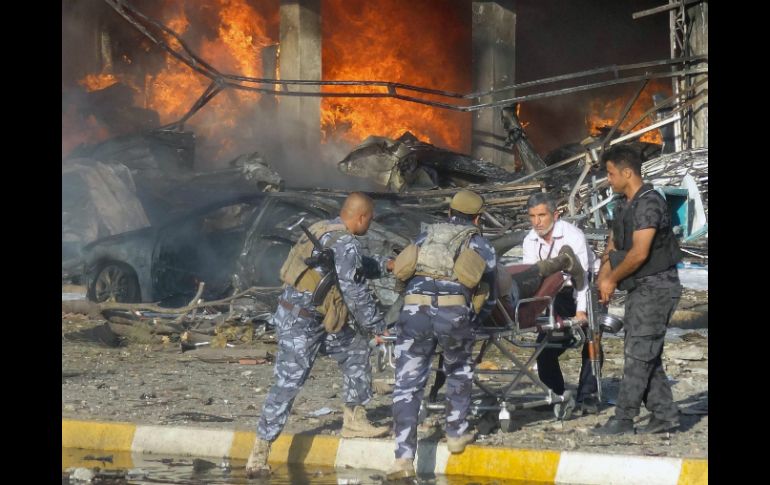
{"type": "Point", "coordinates": [157, 384]}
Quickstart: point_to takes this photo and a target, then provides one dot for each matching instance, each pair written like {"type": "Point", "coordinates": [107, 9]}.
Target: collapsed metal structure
{"type": "Point", "coordinates": [577, 181]}
{"type": "Point", "coordinates": [584, 197]}
{"type": "Point", "coordinates": [172, 43]}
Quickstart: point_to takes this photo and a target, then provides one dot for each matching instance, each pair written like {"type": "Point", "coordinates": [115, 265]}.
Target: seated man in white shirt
{"type": "Point", "coordinates": [544, 241]}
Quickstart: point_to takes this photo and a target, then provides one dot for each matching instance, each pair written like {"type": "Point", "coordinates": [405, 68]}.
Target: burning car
{"type": "Point", "coordinates": [230, 245]}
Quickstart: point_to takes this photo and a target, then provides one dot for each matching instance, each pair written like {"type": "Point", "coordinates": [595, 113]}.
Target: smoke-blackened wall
{"type": "Point", "coordinates": [556, 37]}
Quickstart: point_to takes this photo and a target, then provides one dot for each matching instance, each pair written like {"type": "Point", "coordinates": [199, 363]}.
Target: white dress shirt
{"type": "Point", "coordinates": [537, 249]}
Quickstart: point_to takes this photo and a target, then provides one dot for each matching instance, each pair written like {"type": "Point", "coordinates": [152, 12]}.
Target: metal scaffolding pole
{"type": "Point", "coordinates": [678, 36]}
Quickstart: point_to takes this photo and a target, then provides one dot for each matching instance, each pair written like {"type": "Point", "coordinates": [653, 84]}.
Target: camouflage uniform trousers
{"type": "Point", "coordinates": [300, 339]}
{"type": "Point", "coordinates": [648, 311]}
{"type": "Point", "coordinates": [420, 328]}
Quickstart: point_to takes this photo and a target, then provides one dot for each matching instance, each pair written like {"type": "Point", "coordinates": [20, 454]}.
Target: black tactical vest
{"type": "Point", "coordinates": [664, 252]}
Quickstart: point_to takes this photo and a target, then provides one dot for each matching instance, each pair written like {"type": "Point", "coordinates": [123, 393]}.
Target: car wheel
{"type": "Point", "coordinates": [115, 282]}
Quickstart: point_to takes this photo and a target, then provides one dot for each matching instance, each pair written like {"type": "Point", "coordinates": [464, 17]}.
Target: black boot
{"type": "Point", "coordinates": [659, 425]}
{"type": "Point", "coordinates": [615, 426]}
{"type": "Point", "coordinates": [528, 281]}
{"type": "Point", "coordinates": [590, 405]}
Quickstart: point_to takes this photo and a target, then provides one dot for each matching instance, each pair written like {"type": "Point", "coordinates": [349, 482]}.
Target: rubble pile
{"type": "Point", "coordinates": [162, 164]}
{"type": "Point", "coordinates": [671, 168]}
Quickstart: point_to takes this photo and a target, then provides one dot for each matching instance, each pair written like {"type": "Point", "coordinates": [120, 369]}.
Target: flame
{"type": "Point", "coordinates": [604, 113]}
{"type": "Point", "coordinates": [523, 124]}
{"type": "Point", "coordinates": [178, 20]}
{"type": "Point", "coordinates": [95, 82]}
{"type": "Point", "coordinates": [243, 28]}
{"type": "Point", "coordinates": [173, 91]}
{"type": "Point", "coordinates": [242, 35]}
{"type": "Point", "coordinates": [77, 130]}
{"type": "Point", "coordinates": [401, 41]}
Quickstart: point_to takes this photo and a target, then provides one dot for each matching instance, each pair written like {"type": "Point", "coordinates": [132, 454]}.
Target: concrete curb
{"type": "Point", "coordinates": [547, 466]}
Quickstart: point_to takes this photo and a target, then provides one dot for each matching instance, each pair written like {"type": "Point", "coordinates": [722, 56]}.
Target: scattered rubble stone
{"type": "Point", "coordinates": [185, 383]}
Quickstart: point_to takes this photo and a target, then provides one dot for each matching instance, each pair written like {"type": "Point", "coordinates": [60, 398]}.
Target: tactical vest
{"type": "Point", "coordinates": [664, 251]}
{"type": "Point", "coordinates": [294, 271]}
{"type": "Point", "coordinates": [442, 246]}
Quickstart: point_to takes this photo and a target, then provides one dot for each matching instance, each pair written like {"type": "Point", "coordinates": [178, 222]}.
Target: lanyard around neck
{"type": "Point", "coordinates": [550, 250]}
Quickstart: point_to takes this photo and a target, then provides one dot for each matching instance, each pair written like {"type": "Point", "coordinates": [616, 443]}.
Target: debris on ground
{"type": "Point", "coordinates": [178, 387]}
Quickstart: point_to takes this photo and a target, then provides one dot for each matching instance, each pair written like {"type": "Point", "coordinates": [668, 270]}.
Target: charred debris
{"type": "Point", "coordinates": [129, 184]}
{"type": "Point", "coordinates": [124, 198]}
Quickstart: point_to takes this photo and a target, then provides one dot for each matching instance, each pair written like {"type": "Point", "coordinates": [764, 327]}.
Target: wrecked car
{"type": "Point", "coordinates": [229, 245]}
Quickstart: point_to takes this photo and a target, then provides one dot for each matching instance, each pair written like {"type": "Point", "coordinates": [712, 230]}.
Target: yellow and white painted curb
{"type": "Point", "coordinates": [546, 466]}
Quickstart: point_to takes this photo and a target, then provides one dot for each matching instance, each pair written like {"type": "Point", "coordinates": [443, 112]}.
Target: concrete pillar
{"type": "Point", "coordinates": [81, 25]}
{"type": "Point", "coordinates": [268, 103]}
{"type": "Point", "coordinates": [698, 18]}
{"type": "Point", "coordinates": [300, 58]}
{"type": "Point", "coordinates": [494, 34]}
{"type": "Point", "coordinates": [105, 49]}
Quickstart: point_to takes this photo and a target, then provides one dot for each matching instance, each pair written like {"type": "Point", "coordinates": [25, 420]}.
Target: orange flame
{"type": "Point", "coordinates": [77, 130]}
{"type": "Point", "coordinates": [604, 113]}
{"type": "Point", "coordinates": [242, 35]}
{"type": "Point", "coordinates": [423, 43]}
{"type": "Point", "coordinates": [173, 90]}
{"type": "Point", "coordinates": [237, 49]}
{"type": "Point", "coordinates": [243, 29]}
{"type": "Point", "coordinates": [95, 82]}
{"type": "Point", "coordinates": [523, 124]}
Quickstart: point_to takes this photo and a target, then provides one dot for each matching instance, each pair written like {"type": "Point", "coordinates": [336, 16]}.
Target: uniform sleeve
{"type": "Point", "coordinates": [357, 295]}
{"type": "Point", "coordinates": [486, 251]}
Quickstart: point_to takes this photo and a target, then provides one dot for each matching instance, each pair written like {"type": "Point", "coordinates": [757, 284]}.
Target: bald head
{"type": "Point", "coordinates": [357, 213]}
{"type": "Point", "coordinates": [356, 203]}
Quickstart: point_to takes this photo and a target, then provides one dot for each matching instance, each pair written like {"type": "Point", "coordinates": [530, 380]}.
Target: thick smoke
{"type": "Point", "coordinates": [555, 37]}
{"type": "Point", "coordinates": [141, 88]}
{"type": "Point", "coordinates": [552, 38]}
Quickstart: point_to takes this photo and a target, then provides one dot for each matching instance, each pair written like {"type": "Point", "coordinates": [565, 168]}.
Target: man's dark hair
{"type": "Point", "coordinates": [541, 198]}
{"type": "Point", "coordinates": [623, 157]}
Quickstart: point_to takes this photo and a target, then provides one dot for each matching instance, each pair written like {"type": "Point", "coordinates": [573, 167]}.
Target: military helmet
{"type": "Point", "coordinates": [467, 202]}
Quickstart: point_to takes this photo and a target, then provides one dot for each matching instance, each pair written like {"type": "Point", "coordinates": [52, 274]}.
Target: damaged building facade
{"type": "Point", "coordinates": [200, 136]}
{"type": "Point", "coordinates": [173, 106]}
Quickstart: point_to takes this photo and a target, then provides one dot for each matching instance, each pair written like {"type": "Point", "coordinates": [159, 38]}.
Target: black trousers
{"type": "Point", "coordinates": [648, 312]}
{"type": "Point", "coordinates": [548, 368]}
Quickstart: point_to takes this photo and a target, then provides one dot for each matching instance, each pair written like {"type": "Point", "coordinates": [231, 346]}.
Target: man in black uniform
{"type": "Point", "coordinates": [641, 257]}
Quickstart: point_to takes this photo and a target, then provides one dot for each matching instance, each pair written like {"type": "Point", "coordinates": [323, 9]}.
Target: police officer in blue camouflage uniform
{"type": "Point", "coordinates": [302, 332]}
{"type": "Point", "coordinates": [641, 257]}
{"type": "Point", "coordinates": [437, 310]}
